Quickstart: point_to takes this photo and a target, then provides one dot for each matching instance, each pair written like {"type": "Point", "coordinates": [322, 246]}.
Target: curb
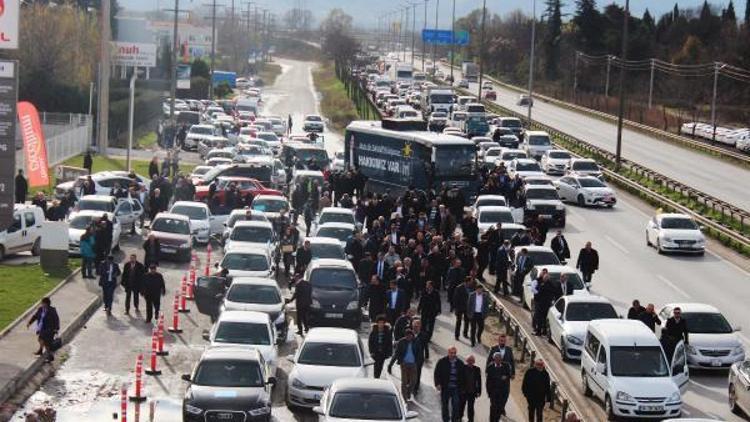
{"type": "Point", "coordinates": [36, 304]}
{"type": "Point", "coordinates": [66, 334]}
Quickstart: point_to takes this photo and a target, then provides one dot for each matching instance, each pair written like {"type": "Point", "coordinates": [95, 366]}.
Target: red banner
{"type": "Point", "coordinates": [34, 146]}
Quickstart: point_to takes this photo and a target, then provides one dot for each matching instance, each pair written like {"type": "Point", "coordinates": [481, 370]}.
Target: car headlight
{"type": "Point", "coordinates": [315, 304]}
{"type": "Point", "coordinates": [298, 384]}
{"type": "Point", "coordinates": [280, 319]}
{"type": "Point", "coordinates": [185, 245]}
{"type": "Point", "coordinates": [574, 340]}
{"type": "Point", "coordinates": [738, 350]}
{"type": "Point", "coordinates": [352, 305]}
{"type": "Point", "coordinates": [666, 239]}
{"type": "Point", "coordinates": [691, 350]}
{"type": "Point", "coordinates": [193, 410]}
{"type": "Point", "coordinates": [623, 396]}
{"type": "Point", "coordinates": [529, 206]}
{"type": "Point", "coordinates": [675, 397]}
{"type": "Point", "coordinates": [265, 410]}
{"type": "Point", "coordinates": [559, 207]}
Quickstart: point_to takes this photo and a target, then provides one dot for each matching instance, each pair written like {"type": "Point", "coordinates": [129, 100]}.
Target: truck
{"type": "Point", "coordinates": [437, 99]}
{"type": "Point", "coordinates": [475, 123]}
{"type": "Point", "coordinates": [470, 71]}
{"type": "Point", "coordinates": [399, 72]}
{"type": "Point", "coordinates": [223, 76]}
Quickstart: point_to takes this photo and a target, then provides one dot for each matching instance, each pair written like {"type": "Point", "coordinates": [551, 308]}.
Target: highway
{"type": "Point", "coordinates": [701, 171]}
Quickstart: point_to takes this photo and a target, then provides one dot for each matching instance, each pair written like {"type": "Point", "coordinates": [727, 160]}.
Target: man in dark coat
{"type": "Point", "coordinates": [560, 247]}
{"type": "Point", "coordinates": [453, 278]}
{"type": "Point", "coordinates": [649, 317]}
{"type": "Point", "coordinates": [471, 389]}
{"type": "Point", "coordinates": [429, 308]}
{"type": "Point", "coordinates": [408, 354]}
{"type": "Point", "coordinates": [523, 266]}
{"type": "Point", "coordinates": [132, 280]}
{"type": "Point", "coordinates": [47, 325]}
{"type": "Point", "coordinates": [460, 303]}
{"type": "Point", "coordinates": [588, 262]}
{"type": "Point", "coordinates": [498, 375]}
{"type": "Point", "coordinates": [88, 161]}
{"type": "Point", "coordinates": [675, 331]}
{"type": "Point", "coordinates": [109, 271]}
{"type": "Point", "coordinates": [153, 289]}
{"type": "Point", "coordinates": [22, 188]}
{"type": "Point", "coordinates": [395, 301]}
{"type": "Point", "coordinates": [506, 354]}
{"type": "Point", "coordinates": [151, 249]}
{"type": "Point", "coordinates": [380, 344]}
{"type": "Point", "coordinates": [449, 376]}
{"type": "Point", "coordinates": [502, 264]}
{"type": "Point", "coordinates": [635, 310]}
{"type": "Point", "coordinates": [302, 298]}
{"type": "Point", "coordinates": [375, 297]}
{"type": "Point", "coordinates": [536, 388]}
{"type": "Point", "coordinates": [303, 258]}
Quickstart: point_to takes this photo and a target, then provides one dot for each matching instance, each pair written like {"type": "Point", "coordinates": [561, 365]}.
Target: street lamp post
{"type": "Point", "coordinates": [481, 50]}
{"type": "Point", "coordinates": [531, 60]}
{"type": "Point", "coordinates": [453, 37]}
{"type": "Point", "coordinates": [434, 46]}
{"type": "Point", "coordinates": [424, 26]}
{"type": "Point", "coordinates": [413, 30]}
{"type": "Point", "coordinates": [621, 88]}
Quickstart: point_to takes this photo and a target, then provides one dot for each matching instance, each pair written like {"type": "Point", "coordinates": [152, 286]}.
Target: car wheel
{"type": "Point", "coordinates": [658, 247]}
{"type": "Point", "coordinates": [733, 400]}
{"type": "Point", "coordinates": [609, 410]}
{"type": "Point", "coordinates": [585, 383]}
{"type": "Point", "coordinates": [648, 242]}
{"type": "Point", "coordinates": [36, 249]}
{"type": "Point", "coordinates": [581, 201]}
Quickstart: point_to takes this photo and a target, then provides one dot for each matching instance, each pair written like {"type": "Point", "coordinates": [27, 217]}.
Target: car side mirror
{"type": "Point", "coordinates": [206, 337]}
{"type": "Point", "coordinates": [318, 410]}
{"type": "Point", "coordinates": [601, 368]}
{"type": "Point", "coordinates": [271, 381]}
{"type": "Point", "coordinates": [411, 414]}
{"type": "Point", "coordinates": [186, 377]}
{"type": "Point", "coordinates": [290, 358]}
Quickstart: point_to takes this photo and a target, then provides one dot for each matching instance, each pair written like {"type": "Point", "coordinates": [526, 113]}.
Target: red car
{"type": "Point", "coordinates": [244, 184]}
{"type": "Point", "coordinates": [490, 95]}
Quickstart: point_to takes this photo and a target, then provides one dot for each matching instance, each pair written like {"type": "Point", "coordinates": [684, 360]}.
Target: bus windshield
{"type": "Point", "coordinates": [455, 160]}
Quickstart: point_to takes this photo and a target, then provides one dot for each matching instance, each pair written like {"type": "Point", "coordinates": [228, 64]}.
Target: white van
{"type": "Point", "coordinates": [24, 234]}
{"type": "Point", "coordinates": [624, 365]}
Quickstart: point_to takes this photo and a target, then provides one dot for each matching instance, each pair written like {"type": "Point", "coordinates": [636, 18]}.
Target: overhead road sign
{"type": "Point", "coordinates": [445, 37]}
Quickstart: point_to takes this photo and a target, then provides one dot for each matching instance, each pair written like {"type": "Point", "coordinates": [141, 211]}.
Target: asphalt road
{"type": "Point", "coordinates": [706, 173]}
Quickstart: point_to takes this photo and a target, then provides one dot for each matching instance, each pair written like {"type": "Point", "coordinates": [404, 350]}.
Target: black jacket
{"type": "Point", "coordinates": [559, 246]}
{"type": "Point", "coordinates": [430, 304]}
{"type": "Point", "coordinates": [651, 320]}
{"type": "Point", "coordinates": [400, 300]}
{"type": "Point", "coordinates": [455, 276]}
{"type": "Point", "coordinates": [302, 296]}
{"type": "Point", "coordinates": [588, 260]}
{"type": "Point", "coordinates": [443, 371]}
{"type": "Point", "coordinates": [376, 299]}
{"type": "Point", "coordinates": [507, 358]}
{"type": "Point", "coordinates": [22, 188]}
{"type": "Point", "coordinates": [676, 331]}
{"type": "Point", "coordinates": [153, 286]}
{"type": "Point", "coordinates": [399, 351]}
{"type": "Point", "coordinates": [635, 313]}
{"type": "Point", "coordinates": [472, 385]}
{"type": "Point", "coordinates": [138, 271]}
{"type": "Point", "coordinates": [536, 386]}
{"type": "Point", "coordinates": [304, 257]}
{"type": "Point", "coordinates": [460, 299]}
{"type": "Point", "coordinates": [51, 321]}
{"type": "Point", "coordinates": [399, 327]}
{"type": "Point", "coordinates": [498, 377]}
{"type": "Point", "coordinates": [382, 349]}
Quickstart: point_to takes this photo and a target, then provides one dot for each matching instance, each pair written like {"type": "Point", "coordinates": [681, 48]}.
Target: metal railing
{"type": "Point", "coordinates": [66, 136]}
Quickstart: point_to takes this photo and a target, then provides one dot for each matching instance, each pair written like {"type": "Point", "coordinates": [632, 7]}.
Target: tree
{"type": "Point", "coordinates": [692, 52]}
{"type": "Point", "coordinates": [728, 16]}
{"type": "Point", "coordinates": [747, 13]}
{"type": "Point", "coordinates": [199, 68]}
{"type": "Point", "coordinates": [552, 39]}
{"type": "Point", "coordinates": [588, 27]}
{"type": "Point", "coordinates": [337, 40]}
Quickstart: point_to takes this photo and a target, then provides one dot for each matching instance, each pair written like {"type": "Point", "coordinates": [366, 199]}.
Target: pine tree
{"type": "Point", "coordinates": [552, 37]}
{"type": "Point", "coordinates": [728, 16]}
{"type": "Point", "coordinates": [675, 12]}
{"type": "Point", "coordinates": [747, 13]}
{"type": "Point", "coordinates": [588, 24]}
{"type": "Point", "coordinates": [648, 20]}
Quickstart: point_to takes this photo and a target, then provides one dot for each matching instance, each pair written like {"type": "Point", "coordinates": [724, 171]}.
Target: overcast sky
{"type": "Point", "coordinates": [362, 10]}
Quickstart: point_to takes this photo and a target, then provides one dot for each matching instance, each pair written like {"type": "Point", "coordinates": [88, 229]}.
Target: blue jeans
{"type": "Point", "coordinates": [87, 265]}
{"type": "Point", "coordinates": [453, 396]}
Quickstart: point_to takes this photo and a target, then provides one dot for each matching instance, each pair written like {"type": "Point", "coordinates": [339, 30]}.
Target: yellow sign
{"type": "Point", "coordinates": [407, 150]}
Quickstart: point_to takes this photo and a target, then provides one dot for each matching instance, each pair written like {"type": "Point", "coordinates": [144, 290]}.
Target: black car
{"type": "Point", "coordinates": [335, 294]}
{"type": "Point", "coordinates": [229, 384]}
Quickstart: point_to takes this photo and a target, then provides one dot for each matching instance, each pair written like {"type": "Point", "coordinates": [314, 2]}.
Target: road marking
{"type": "Point", "coordinates": [672, 285]}
{"type": "Point", "coordinates": [617, 244]}
{"type": "Point", "coordinates": [420, 405]}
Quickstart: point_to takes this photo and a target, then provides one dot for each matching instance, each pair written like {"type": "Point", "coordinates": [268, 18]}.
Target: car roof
{"type": "Point", "coordinates": [557, 269]}
{"type": "Point", "coordinates": [332, 335]}
{"type": "Point", "coordinates": [337, 225]}
{"type": "Point", "coordinates": [370, 385]}
{"type": "Point", "coordinates": [190, 204]}
{"type": "Point", "coordinates": [253, 223]}
{"type": "Point", "coordinates": [579, 160]}
{"type": "Point", "coordinates": [490, 197]}
{"type": "Point", "coordinates": [545, 187]}
{"type": "Point", "coordinates": [244, 316]}
{"type": "Point", "coordinates": [533, 248]}
{"type": "Point", "coordinates": [536, 132]}
{"type": "Point", "coordinates": [336, 210]}
{"type": "Point", "coordinates": [247, 248]}
{"type": "Point", "coordinates": [525, 160]}
{"type": "Point", "coordinates": [92, 213]}
{"type": "Point", "coordinates": [495, 208]}
{"type": "Point", "coordinates": [624, 332]}
{"type": "Point", "coordinates": [586, 298]}
{"type": "Point", "coordinates": [173, 216]}
{"type": "Point", "coordinates": [323, 240]}
{"type": "Point", "coordinates": [549, 151]}
{"type": "Point", "coordinates": [674, 215]}
{"type": "Point", "coordinates": [103, 198]}
{"type": "Point", "coordinates": [271, 197]}
{"type": "Point", "coordinates": [688, 307]}
{"type": "Point", "coordinates": [255, 281]}
{"type": "Point", "coordinates": [234, 352]}
{"type": "Point", "coordinates": [308, 173]}
{"type": "Point", "coordinates": [330, 263]}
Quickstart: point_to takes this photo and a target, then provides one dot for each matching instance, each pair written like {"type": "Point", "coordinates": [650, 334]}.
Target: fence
{"type": "Point", "coordinates": [66, 135]}
{"type": "Point", "coordinates": [366, 109]}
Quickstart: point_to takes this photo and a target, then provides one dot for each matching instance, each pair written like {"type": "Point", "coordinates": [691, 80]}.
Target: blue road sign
{"type": "Point", "coordinates": [444, 37]}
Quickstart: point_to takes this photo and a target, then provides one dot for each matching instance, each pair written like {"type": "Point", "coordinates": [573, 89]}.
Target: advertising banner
{"type": "Point", "coordinates": [183, 76]}
{"type": "Point", "coordinates": [133, 54]}
{"type": "Point", "coordinates": [9, 12]}
{"type": "Point", "coordinates": [34, 146]}
{"type": "Point", "coordinates": [8, 99]}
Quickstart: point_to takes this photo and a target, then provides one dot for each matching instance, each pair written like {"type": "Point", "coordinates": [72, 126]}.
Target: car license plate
{"type": "Point", "coordinates": [651, 408]}
{"type": "Point", "coordinates": [330, 315]}
{"type": "Point", "coordinates": [715, 362]}
{"type": "Point", "coordinates": [547, 216]}
{"type": "Point", "coordinates": [168, 250]}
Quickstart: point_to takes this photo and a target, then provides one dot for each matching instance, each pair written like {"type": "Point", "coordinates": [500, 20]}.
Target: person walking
{"type": "Point", "coordinates": [460, 303]}
{"type": "Point", "coordinates": [289, 124]}
{"type": "Point", "coordinates": [153, 289]}
{"type": "Point", "coordinates": [498, 375]}
{"type": "Point", "coordinates": [47, 325]}
{"type": "Point", "coordinates": [448, 377]}
{"type": "Point", "coordinates": [477, 308]}
{"type": "Point", "coordinates": [407, 353]}
{"type": "Point", "coordinates": [88, 161]}
{"type": "Point", "coordinates": [22, 188]}
{"type": "Point", "coordinates": [421, 336]}
{"type": "Point", "coordinates": [471, 389]}
{"type": "Point", "coordinates": [635, 310]}
{"type": "Point", "coordinates": [109, 271]}
{"type": "Point", "coordinates": [649, 317]}
{"type": "Point", "coordinates": [523, 266]}
{"type": "Point", "coordinates": [453, 278]}
{"type": "Point", "coordinates": [559, 246]}
{"type": "Point", "coordinates": [588, 262]}
{"type": "Point", "coordinates": [429, 308]}
{"type": "Point", "coordinates": [506, 354]}
{"type": "Point", "coordinates": [132, 280]}
{"type": "Point", "coordinates": [395, 301]}
{"type": "Point", "coordinates": [287, 246]}
{"type": "Point", "coordinates": [380, 344]}
{"type": "Point", "coordinates": [88, 253]}
{"type": "Point", "coordinates": [153, 167]}
{"type": "Point", "coordinates": [502, 264]}
{"type": "Point", "coordinates": [302, 298]}
{"type": "Point", "coordinates": [375, 296]}
{"type": "Point", "coordinates": [674, 331]}
{"type": "Point", "coordinates": [151, 249]}
{"type": "Point", "coordinates": [536, 388]}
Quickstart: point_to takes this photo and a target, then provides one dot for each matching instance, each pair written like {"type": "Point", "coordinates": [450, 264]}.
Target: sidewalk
{"type": "Point", "coordinates": [76, 299]}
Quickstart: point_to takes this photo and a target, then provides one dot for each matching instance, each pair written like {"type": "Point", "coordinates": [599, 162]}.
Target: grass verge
{"type": "Point", "coordinates": [107, 163]}
{"type": "Point", "coordinates": [146, 141]}
{"type": "Point", "coordinates": [334, 104]}
{"type": "Point", "coordinates": [24, 285]}
{"type": "Point", "coordinates": [269, 73]}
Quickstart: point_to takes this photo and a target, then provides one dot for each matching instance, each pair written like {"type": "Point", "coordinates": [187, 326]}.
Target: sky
{"type": "Point", "coordinates": [365, 13]}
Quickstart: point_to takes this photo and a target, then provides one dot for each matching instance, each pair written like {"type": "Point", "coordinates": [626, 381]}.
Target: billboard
{"type": "Point", "coordinates": [183, 76]}
{"type": "Point", "coordinates": [8, 99]}
{"type": "Point", "coordinates": [9, 12]}
{"type": "Point", "coordinates": [133, 54]}
{"type": "Point", "coordinates": [444, 37]}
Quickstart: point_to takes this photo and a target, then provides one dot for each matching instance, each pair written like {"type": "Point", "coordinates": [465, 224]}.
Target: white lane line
{"type": "Point", "coordinates": [617, 244]}
{"type": "Point", "coordinates": [672, 285]}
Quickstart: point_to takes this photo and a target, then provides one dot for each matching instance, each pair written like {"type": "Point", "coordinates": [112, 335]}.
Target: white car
{"type": "Point", "coordinates": [271, 205]}
{"type": "Point", "coordinates": [575, 282]}
{"type": "Point", "coordinates": [259, 294]}
{"type": "Point", "coordinates": [252, 233]}
{"type": "Point", "coordinates": [247, 328]}
{"type": "Point", "coordinates": [238, 215]}
{"type": "Point", "coordinates": [338, 231]}
{"type": "Point", "coordinates": [489, 200]}
{"type": "Point", "coordinates": [202, 222]}
{"type": "Point", "coordinates": [338, 163]}
{"type": "Point", "coordinates": [675, 233]}
{"type": "Point", "coordinates": [24, 233]}
{"type": "Point", "coordinates": [79, 221]}
{"type": "Point", "coordinates": [336, 215]}
{"type": "Point", "coordinates": [509, 154]}
{"type": "Point", "coordinates": [492, 215]}
{"type": "Point", "coordinates": [219, 161]}
{"type": "Point", "coordinates": [199, 171]}
{"type": "Point", "coordinates": [247, 261]}
{"type": "Point", "coordinates": [196, 134]}
{"type": "Point", "coordinates": [536, 143]}
{"type": "Point", "coordinates": [313, 123]}
{"type": "Point", "coordinates": [585, 190]}
{"type": "Point", "coordinates": [325, 355]}
{"type": "Point", "coordinates": [127, 210]}
{"type": "Point", "coordinates": [483, 146]}
{"type": "Point", "coordinates": [569, 317]}
{"type": "Point", "coordinates": [325, 248]}
{"type": "Point", "coordinates": [584, 167]}
{"type": "Point", "coordinates": [739, 388]}
{"type": "Point", "coordinates": [373, 400]}
{"type": "Point", "coordinates": [712, 342]}
{"type": "Point", "coordinates": [524, 167]}
{"type": "Point", "coordinates": [491, 155]}
{"type": "Point", "coordinates": [538, 180]}
{"type": "Point", "coordinates": [555, 161]}
{"type": "Point", "coordinates": [104, 181]}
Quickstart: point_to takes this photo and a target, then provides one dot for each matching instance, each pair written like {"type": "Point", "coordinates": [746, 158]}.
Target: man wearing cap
{"type": "Point", "coordinates": [153, 289]}
{"type": "Point", "coordinates": [498, 375]}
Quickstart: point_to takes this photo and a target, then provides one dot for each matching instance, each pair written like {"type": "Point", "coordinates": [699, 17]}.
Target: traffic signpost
{"type": "Point", "coordinates": [8, 101]}
{"type": "Point", "coordinates": [445, 37]}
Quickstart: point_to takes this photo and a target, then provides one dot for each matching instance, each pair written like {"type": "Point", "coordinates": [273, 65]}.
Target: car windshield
{"type": "Point", "coordinates": [641, 361]}
{"type": "Point", "coordinates": [560, 155]}
{"type": "Point", "coordinates": [256, 294]}
{"type": "Point", "coordinates": [82, 222]}
{"type": "Point", "coordinates": [549, 194]}
{"type": "Point", "coordinates": [366, 406]}
{"type": "Point", "coordinates": [200, 170]}
{"type": "Point", "coordinates": [270, 137]}
{"type": "Point", "coordinates": [329, 354]}
{"type": "Point", "coordinates": [527, 166]}
{"type": "Point", "coordinates": [171, 225]}
{"type": "Point", "coordinates": [336, 217]}
{"type": "Point", "coordinates": [315, 154]}
{"type": "Point", "coordinates": [441, 99]}
{"type": "Point", "coordinates": [508, 156]}
{"type": "Point", "coordinates": [337, 233]}
{"type": "Point", "coordinates": [492, 153]}
{"type": "Point", "coordinates": [244, 262]}
{"type": "Point", "coordinates": [313, 119]}
{"type": "Point", "coordinates": [582, 311]}
{"type": "Point", "coordinates": [591, 183]}
{"type": "Point", "coordinates": [252, 234]}
{"type": "Point", "coordinates": [333, 279]}
{"type": "Point", "coordinates": [228, 373]}
{"type": "Point", "coordinates": [459, 117]}
{"type": "Point", "coordinates": [495, 217]}
{"type": "Point", "coordinates": [193, 213]}
{"type": "Point", "coordinates": [574, 280]}
{"type": "Point", "coordinates": [707, 323]}
{"type": "Point", "coordinates": [439, 114]}
{"type": "Point", "coordinates": [455, 160]}
{"type": "Point", "coordinates": [511, 123]}
{"type": "Point", "coordinates": [678, 223]}
{"type": "Point", "coordinates": [90, 204]}
{"type": "Point", "coordinates": [585, 165]}
{"type": "Point", "coordinates": [539, 140]}
{"type": "Point", "coordinates": [544, 258]}
{"type": "Point", "coordinates": [327, 250]}
{"type": "Point", "coordinates": [269, 205]}
{"type": "Point", "coordinates": [491, 202]}
{"type": "Point", "coordinates": [242, 333]}
{"type": "Point", "coordinates": [201, 130]}
{"type": "Point", "coordinates": [233, 219]}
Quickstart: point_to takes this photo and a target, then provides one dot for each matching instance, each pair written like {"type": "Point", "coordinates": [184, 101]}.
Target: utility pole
{"type": "Point", "coordinates": [531, 60]}
{"type": "Point", "coordinates": [453, 37]}
{"type": "Point", "coordinates": [131, 113]}
{"type": "Point", "coordinates": [621, 88]}
{"type": "Point", "coordinates": [481, 50]}
{"type": "Point", "coordinates": [173, 61]}
{"type": "Point", "coordinates": [102, 120]}
{"type": "Point", "coordinates": [717, 68]}
{"type": "Point", "coordinates": [575, 75]}
{"type": "Point", "coordinates": [413, 30]}
{"type": "Point", "coordinates": [606, 81]}
{"type": "Point", "coordinates": [424, 26]}
{"type": "Point", "coordinates": [213, 51]}
{"type": "Point", "coordinates": [400, 28]}
{"type": "Point", "coordinates": [434, 45]}
{"type": "Point", "coordinates": [651, 84]}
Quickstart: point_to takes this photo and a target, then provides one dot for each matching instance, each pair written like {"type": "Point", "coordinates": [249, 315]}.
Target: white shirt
{"type": "Point", "coordinates": [534, 286]}
{"type": "Point", "coordinates": [478, 304]}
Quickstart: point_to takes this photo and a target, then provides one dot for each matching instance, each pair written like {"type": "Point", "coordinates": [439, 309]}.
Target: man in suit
{"type": "Point", "coordinates": [498, 374]}
{"type": "Point", "coordinates": [381, 268]}
{"type": "Point", "coordinates": [449, 377]}
{"type": "Point", "coordinates": [502, 263]}
{"type": "Point", "coordinates": [380, 344]}
{"type": "Point", "coordinates": [505, 353]}
{"type": "Point", "coordinates": [524, 264]}
{"type": "Point", "coordinates": [559, 246]}
{"type": "Point", "coordinates": [47, 325]}
{"type": "Point", "coordinates": [675, 331]}
{"type": "Point", "coordinates": [366, 266]}
{"type": "Point", "coordinates": [472, 387]}
{"type": "Point", "coordinates": [132, 278]}
{"type": "Point", "coordinates": [460, 304]}
{"type": "Point", "coordinates": [429, 308]}
{"type": "Point", "coordinates": [453, 278]}
{"type": "Point", "coordinates": [477, 308]}
{"type": "Point", "coordinates": [395, 300]}
{"type": "Point", "coordinates": [375, 295]}
{"type": "Point", "coordinates": [302, 298]}
{"type": "Point", "coordinates": [153, 289]}
{"type": "Point", "coordinates": [108, 273]}
{"type": "Point", "coordinates": [588, 262]}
